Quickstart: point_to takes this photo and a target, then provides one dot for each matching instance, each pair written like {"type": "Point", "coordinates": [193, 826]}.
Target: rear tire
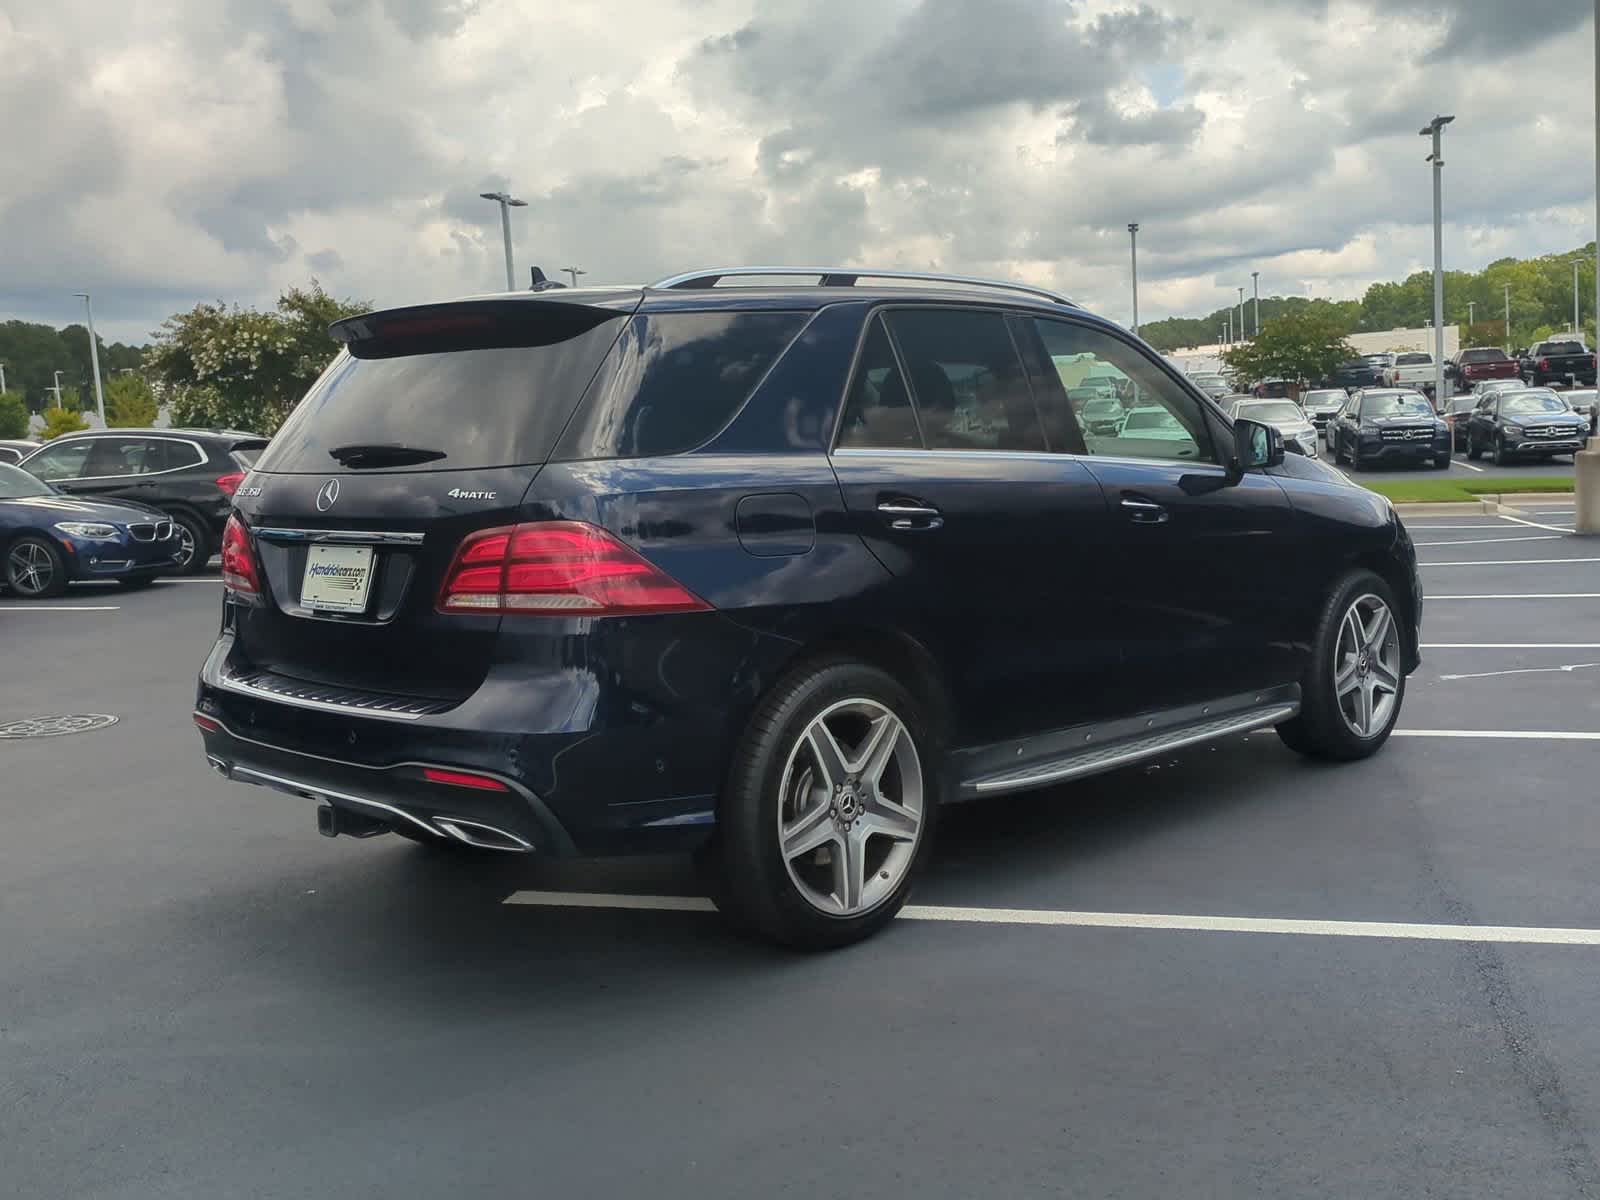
{"type": "Point", "coordinates": [1349, 662]}
{"type": "Point", "coordinates": [829, 809]}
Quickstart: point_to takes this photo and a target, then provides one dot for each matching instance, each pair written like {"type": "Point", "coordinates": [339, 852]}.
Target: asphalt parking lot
{"type": "Point", "coordinates": [1231, 973]}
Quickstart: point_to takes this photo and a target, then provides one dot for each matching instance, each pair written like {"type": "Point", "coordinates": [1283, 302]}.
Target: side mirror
{"type": "Point", "coordinates": [1256, 445]}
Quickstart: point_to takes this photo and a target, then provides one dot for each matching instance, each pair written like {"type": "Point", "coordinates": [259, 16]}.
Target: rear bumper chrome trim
{"type": "Point", "coordinates": [340, 537]}
{"type": "Point", "coordinates": [315, 791]}
{"type": "Point", "coordinates": [229, 684]}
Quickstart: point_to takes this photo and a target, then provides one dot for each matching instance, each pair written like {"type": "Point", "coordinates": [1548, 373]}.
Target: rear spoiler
{"type": "Point", "coordinates": [490, 323]}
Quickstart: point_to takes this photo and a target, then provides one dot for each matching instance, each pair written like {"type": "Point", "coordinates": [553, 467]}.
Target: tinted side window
{"type": "Point", "coordinates": [1141, 412]}
{"type": "Point", "coordinates": [966, 380]}
{"type": "Point", "coordinates": [877, 413]}
{"type": "Point", "coordinates": [165, 455]}
{"type": "Point", "coordinates": [60, 462]}
{"type": "Point", "coordinates": [674, 379]}
{"type": "Point", "coordinates": [116, 456]}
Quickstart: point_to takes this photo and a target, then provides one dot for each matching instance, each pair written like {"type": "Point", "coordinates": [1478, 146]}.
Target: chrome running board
{"type": "Point", "coordinates": [1122, 753]}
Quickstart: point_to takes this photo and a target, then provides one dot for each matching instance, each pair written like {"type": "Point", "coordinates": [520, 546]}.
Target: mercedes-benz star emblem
{"type": "Point", "coordinates": [327, 494]}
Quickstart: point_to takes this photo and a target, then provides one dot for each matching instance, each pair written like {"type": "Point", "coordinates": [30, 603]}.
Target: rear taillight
{"type": "Point", "coordinates": [239, 572]}
{"type": "Point", "coordinates": [230, 483]}
{"type": "Point", "coordinates": [1544, 364]}
{"type": "Point", "coordinates": [558, 568]}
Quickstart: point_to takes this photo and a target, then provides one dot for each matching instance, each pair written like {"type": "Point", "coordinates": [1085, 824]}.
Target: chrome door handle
{"type": "Point", "coordinates": [1144, 512]}
{"type": "Point", "coordinates": [905, 515]}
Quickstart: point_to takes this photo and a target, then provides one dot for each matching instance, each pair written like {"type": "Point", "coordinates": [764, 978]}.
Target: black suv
{"type": "Point", "coordinates": [190, 474]}
{"type": "Point", "coordinates": [1380, 426]}
{"type": "Point", "coordinates": [1535, 423]}
{"type": "Point", "coordinates": [766, 572]}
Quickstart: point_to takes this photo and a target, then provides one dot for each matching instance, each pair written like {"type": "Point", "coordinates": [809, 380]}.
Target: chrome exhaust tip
{"type": "Point", "coordinates": [485, 837]}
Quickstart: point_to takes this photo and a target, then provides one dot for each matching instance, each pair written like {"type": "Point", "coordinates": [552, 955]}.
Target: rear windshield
{"type": "Point", "coordinates": [674, 379]}
{"type": "Point", "coordinates": [246, 458]}
{"type": "Point", "coordinates": [1326, 396]}
{"type": "Point", "coordinates": [1412, 360]}
{"type": "Point", "coordinates": [471, 408]}
{"type": "Point", "coordinates": [1483, 356]}
{"type": "Point", "coordinates": [1562, 348]}
{"type": "Point", "coordinates": [1286, 410]}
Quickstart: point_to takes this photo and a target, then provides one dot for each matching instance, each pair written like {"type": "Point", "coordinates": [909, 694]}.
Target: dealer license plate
{"type": "Point", "coordinates": [337, 578]}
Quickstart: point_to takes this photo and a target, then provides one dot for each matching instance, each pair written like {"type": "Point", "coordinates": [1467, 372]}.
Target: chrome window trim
{"type": "Point", "coordinates": [1209, 468]}
{"type": "Point", "coordinates": [101, 435]}
{"type": "Point", "coordinates": [340, 537]}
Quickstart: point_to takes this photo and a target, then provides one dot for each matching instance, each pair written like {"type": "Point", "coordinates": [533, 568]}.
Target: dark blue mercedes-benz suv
{"type": "Point", "coordinates": [766, 564]}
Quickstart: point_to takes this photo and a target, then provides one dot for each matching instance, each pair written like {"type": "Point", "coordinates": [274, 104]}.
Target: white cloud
{"type": "Point", "coordinates": [178, 150]}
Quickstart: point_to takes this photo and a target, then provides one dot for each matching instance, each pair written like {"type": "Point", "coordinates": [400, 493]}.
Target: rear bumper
{"type": "Point", "coordinates": [607, 751]}
{"type": "Point", "coordinates": [399, 795]}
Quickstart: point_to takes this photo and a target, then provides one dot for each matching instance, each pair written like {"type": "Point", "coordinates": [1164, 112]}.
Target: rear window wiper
{"type": "Point", "coordinates": [383, 454]}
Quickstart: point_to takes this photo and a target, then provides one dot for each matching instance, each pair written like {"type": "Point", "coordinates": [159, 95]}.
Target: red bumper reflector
{"type": "Point", "coordinates": [463, 779]}
{"type": "Point", "coordinates": [207, 723]}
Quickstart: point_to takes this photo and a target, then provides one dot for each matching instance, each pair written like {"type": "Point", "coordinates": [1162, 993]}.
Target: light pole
{"type": "Point", "coordinates": [1433, 129]}
{"type": "Point", "coordinates": [58, 389]}
{"type": "Point", "coordinates": [1508, 318]}
{"type": "Point", "coordinates": [1241, 314]}
{"type": "Point", "coordinates": [1576, 310]}
{"type": "Point", "coordinates": [2, 378]}
{"type": "Point", "coordinates": [94, 359]}
{"type": "Point", "coordinates": [1230, 326]}
{"type": "Point", "coordinates": [1133, 250]}
{"type": "Point", "coordinates": [507, 202]}
{"type": "Point", "coordinates": [574, 272]}
{"type": "Point", "coordinates": [1255, 283]}
{"type": "Point", "coordinates": [1471, 305]}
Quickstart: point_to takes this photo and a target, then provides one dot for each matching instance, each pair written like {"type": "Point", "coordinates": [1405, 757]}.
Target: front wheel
{"type": "Point", "coordinates": [1474, 451]}
{"type": "Point", "coordinates": [194, 545]}
{"type": "Point", "coordinates": [829, 808]}
{"type": "Point", "coordinates": [1500, 457]}
{"type": "Point", "coordinates": [1441, 461]}
{"type": "Point", "coordinates": [1355, 683]}
{"type": "Point", "coordinates": [1355, 457]}
{"type": "Point", "coordinates": [34, 568]}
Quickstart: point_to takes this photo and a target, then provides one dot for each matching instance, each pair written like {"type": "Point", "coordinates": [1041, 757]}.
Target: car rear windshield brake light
{"type": "Point", "coordinates": [230, 483]}
{"type": "Point", "coordinates": [558, 568]}
{"type": "Point", "coordinates": [239, 574]}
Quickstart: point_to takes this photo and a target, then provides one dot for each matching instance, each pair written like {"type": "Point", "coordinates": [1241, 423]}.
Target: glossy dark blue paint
{"type": "Point", "coordinates": [1034, 605]}
{"type": "Point", "coordinates": [120, 556]}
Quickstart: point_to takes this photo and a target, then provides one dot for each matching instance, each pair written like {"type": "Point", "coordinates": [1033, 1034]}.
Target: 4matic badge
{"type": "Point", "coordinates": [459, 494]}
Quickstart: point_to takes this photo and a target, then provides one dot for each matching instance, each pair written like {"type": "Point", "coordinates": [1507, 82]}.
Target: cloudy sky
{"type": "Point", "coordinates": [161, 152]}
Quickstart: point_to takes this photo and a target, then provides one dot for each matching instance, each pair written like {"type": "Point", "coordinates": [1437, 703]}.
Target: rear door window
{"type": "Point", "coordinates": [674, 379]}
{"type": "Point", "coordinates": [164, 454]}
{"type": "Point", "coordinates": [496, 406]}
{"type": "Point", "coordinates": [967, 381]}
{"type": "Point", "coordinates": [114, 456]}
{"type": "Point", "coordinates": [877, 413]}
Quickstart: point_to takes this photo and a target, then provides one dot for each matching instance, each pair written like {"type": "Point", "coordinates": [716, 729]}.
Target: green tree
{"type": "Point", "coordinates": [1298, 346]}
{"type": "Point", "coordinates": [62, 420]}
{"type": "Point", "coordinates": [71, 399]}
{"type": "Point", "coordinates": [13, 415]}
{"type": "Point", "coordinates": [130, 404]}
{"type": "Point", "coordinates": [244, 369]}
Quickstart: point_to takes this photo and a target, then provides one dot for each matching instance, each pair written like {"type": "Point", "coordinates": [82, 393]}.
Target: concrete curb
{"type": "Point", "coordinates": [1488, 506]}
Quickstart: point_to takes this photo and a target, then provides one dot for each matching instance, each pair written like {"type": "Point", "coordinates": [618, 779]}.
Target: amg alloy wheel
{"type": "Point", "coordinates": [1366, 674]}
{"type": "Point", "coordinates": [829, 808]}
{"type": "Point", "coordinates": [850, 807]}
{"type": "Point", "coordinates": [1354, 685]}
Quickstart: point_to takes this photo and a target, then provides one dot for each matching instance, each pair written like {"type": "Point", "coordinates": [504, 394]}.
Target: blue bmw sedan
{"type": "Point", "coordinates": [48, 540]}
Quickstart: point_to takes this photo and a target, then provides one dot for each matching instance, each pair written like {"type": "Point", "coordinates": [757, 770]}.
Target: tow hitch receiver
{"type": "Point", "coordinates": [334, 822]}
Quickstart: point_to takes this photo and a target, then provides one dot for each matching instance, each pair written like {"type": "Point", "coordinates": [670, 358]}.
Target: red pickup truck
{"type": "Point", "coordinates": [1471, 367]}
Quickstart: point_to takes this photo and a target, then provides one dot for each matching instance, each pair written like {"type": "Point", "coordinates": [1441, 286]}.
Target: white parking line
{"type": "Point", "coordinates": [1506, 735]}
{"type": "Point", "coordinates": [11, 608]}
{"type": "Point", "coordinates": [1179, 922]}
{"type": "Point", "coordinates": [1510, 646]}
{"type": "Point", "coordinates": [1538, 537]}
{"type": "Point", "coordinates": [1533, 524]}
{"type": "Point", "coordinates": [1510, 562]}
{"type": "Point", "coordinates": [1567, 668]}
{"type": "Point", "coordinates": [1455, 462]}
{"type": "Point", "coordinates": [1522, 596]}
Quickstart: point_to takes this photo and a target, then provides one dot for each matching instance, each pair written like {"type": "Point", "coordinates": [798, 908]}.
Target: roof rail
{"type": "Point", "coordinates": [847, 277]}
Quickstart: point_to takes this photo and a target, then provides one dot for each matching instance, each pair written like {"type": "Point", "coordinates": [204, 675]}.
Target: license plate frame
{"type": "Point", "coordinates": [337, 579]}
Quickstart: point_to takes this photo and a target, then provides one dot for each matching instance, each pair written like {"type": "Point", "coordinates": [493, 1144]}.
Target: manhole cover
{"type": "Point", "coordinates": [29, 727]}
